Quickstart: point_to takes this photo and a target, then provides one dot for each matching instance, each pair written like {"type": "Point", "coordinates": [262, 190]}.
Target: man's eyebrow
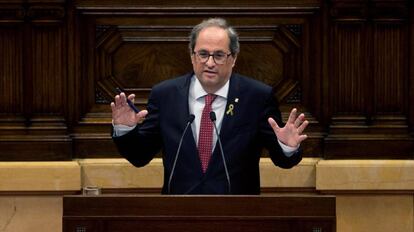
{"type": "Point", "coordinates": [204, 50]}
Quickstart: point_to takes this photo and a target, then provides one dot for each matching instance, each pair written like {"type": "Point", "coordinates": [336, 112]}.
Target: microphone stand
{"type": "Point", "coordinates": [213, 119]}
{"type": "Point", "coordinates": [189, 121]}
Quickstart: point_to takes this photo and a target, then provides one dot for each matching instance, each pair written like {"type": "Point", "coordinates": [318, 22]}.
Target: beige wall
{"type": "Point", "coordinates": [30, 213]}
{"type": "Point", "coordinates": [372, 212]}
{"type": "Point", "coordinates": [371, 195]}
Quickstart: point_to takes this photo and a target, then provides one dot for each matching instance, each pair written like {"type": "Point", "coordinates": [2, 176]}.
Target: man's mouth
{"type": "Point", "coordinates": [210, 72]}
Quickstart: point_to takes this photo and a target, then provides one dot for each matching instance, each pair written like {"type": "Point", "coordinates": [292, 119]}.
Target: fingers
{"type": "Point", "coordinates": [292, 116]}
{"type": "Point", "coordinates": [273, 124]}
{"type": "Point", "coordinates": [140, 116]}
{"type": "Point", "coordinates": [301, 138]}
{"type": "Point", "coordinates": [299, 120]}
{"type": "Point", "coordinates": [302, 127]}
{"type": "Point", "coordinates": [301, 123]}
{"type": "Point", "coordinates": [142, 113]}
{"type": "Point", "coordinates": [120, 100]}
{"type": "Point", "coordinates": [131, 97]}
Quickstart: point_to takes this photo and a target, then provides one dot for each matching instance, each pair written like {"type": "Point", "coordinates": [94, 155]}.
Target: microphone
{"type": "Point", "coordinates": [213, 119]}
{"type": "Point", "coordinates": [189, 121]}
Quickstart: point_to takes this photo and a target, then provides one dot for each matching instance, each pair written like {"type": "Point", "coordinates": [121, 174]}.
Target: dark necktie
{"type": "Point", "coordinates": [205, 139]}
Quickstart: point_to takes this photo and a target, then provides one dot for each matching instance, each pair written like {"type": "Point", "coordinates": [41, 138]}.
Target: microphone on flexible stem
{"type": "Point", "coordinates": [213, 119]}
{"type": "Point", "coordinates": [189, 121]}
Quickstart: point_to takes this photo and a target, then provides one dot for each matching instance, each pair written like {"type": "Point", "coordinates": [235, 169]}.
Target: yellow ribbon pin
{"type": "Point", "coordinates": [230, 109]}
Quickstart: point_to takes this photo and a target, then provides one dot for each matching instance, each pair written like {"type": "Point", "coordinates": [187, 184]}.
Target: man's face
{"type": "Point", "coordinates": [212, 76]}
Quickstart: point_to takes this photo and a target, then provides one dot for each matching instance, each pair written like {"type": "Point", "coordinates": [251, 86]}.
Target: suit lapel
{"type": "Point", "coordinates": [182, 88]}
{"type": "Point", "coordinates": [183, 91]}
{"type": "Point", "coordinates": [231, 113]}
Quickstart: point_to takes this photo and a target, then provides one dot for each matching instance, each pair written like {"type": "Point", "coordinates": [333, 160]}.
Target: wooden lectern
{"type": "Point", "coordinates": [158, 213]}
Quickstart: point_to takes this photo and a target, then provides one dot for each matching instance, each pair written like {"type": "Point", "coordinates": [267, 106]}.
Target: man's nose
{"type": "Point", "coordinates": [210, 61]}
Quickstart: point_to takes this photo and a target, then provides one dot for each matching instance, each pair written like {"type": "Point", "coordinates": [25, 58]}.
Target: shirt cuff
{"type": "Point", "coordinates": [288, 150]}
{"type": "Point", "coordinates": [120, 129]}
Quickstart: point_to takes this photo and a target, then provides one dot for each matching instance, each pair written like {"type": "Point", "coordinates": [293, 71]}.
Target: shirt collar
{"type": "Point", "coordinates": [199, 92]}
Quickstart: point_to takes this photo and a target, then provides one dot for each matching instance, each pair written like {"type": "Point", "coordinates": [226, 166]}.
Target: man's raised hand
{"type": "Point", "coordinates": [292, 133]}
{"type": "Point", "coordinates": [122, 114]}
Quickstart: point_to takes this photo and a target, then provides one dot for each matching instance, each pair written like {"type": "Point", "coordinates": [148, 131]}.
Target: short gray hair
{"type": "Point", "coordinates": [234, 45]}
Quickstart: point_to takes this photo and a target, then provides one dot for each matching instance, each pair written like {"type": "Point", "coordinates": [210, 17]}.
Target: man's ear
{"type": "Point", "coordinates": [234, 60]}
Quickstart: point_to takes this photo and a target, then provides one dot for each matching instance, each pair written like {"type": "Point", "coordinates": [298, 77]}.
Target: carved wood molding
{"type": "Point", "coordinates": [39, 12]}
{"type": "Point", "coordinates": [111, 39]}
{"type": "Point", "coordinates": [363, 10]}
{"type": "Point", "coordinates": [11, 13]}
{"type": "Point", "coordinates": [198, 7]}
{"type": "Point", "coordinates": [45, 14]}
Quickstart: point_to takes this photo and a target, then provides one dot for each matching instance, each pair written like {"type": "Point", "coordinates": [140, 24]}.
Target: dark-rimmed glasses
{"type": "Point", "coordinates": [218, 57]}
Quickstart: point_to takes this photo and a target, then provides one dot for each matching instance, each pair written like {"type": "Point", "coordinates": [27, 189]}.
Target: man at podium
{"type": "Point", "coordinates": [211, 124]}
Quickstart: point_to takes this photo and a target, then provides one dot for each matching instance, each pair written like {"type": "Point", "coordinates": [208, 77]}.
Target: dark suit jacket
{"type": "Point", "coordinates": [243, 136]}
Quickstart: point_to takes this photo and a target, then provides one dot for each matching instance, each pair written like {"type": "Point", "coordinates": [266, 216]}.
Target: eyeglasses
{"type": "Point", "coordinates": [218, 57]}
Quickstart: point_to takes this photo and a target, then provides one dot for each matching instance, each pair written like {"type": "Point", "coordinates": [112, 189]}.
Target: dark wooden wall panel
{"type": "Point", "coordinates": [347, 64]}
{"type": "Point", "coordinates": [370, 80]}
{"type": "Point", "coordinates": [11, 81]}
{"type": "Point", "coordinates": [410, 78]}
{"type": "Point", "coordinates": [48, 86]}
{"type": "Point", "coordinates": [389, 68]}
{"type": "Point", "coordinates": [33, 39]}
